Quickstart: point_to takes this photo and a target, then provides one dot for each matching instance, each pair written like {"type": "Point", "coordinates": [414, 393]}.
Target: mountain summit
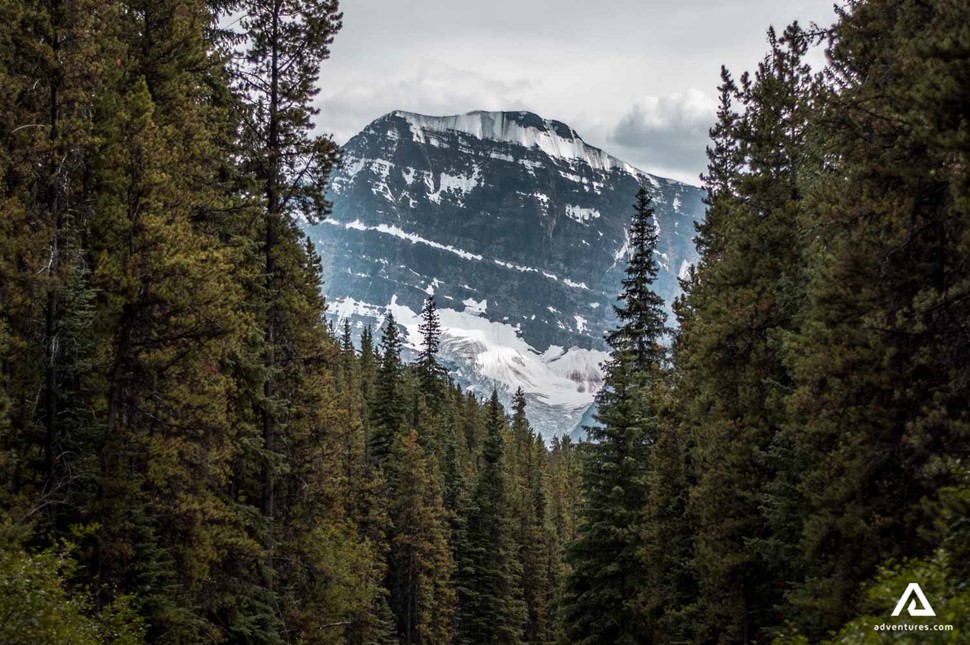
{"type": "Point", "coordinates": [525, 129]}
{"type": "Point", "coordinates": [517, 226]}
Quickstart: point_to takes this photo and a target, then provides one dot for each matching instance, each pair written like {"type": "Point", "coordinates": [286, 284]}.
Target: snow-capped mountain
{"type": "Point", "coordinates": [517, 226]}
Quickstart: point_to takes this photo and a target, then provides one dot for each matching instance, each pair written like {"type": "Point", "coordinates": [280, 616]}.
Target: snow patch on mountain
{"type": "Point", "coordinates": [349, 309]}
{"type": "Point", "coordinates": [622, 252]}
{"type": "Point", "coordinates": [566, 379]}
{"type": "Point", "coordinates": [520, 128]}
{"type": "Point", "coordinates": [457, 185]}
{"type": "Point", "coordinates": [684, 272]}
{"type": "Point", "coordinates": [575, 285]}
{"type": "Point", "coordinates": [388, 229]}
{"type": "Point", "coordinates": [581, 214]}
{"type": "Point", "coordinates": [476, 307]}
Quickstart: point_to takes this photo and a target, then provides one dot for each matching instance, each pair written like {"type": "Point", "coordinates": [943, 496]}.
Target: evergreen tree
{"type": "Point", "coordinates": [488, 578]}
{"type": "Point", "coordinates": [421, 562]}
{"type": "Point", "coordinates": [599, 605]}
{"type": "Point", "coordinates": [282, 44]}
{"type": "Point", "coordinates": [387, 401]}
{"type": "Point", "coordinates": [52, 56]}
{"type": "Point", "coordinates": [346, 340]}
{"type": "Point", "coordinates": [430, 371]}
{"type": "Point", "coordinates": [880, 416]}
{"type": "Point", "coordinates": [670, 592]}
{"type": "Point", "coordinates": [740, 302]}
{"type": "Point", "coordinates": [166, 435]}
{"type": "Point", "coordinates": [532, 531]}
{"type": "Point", "coordinates": [368, 362]}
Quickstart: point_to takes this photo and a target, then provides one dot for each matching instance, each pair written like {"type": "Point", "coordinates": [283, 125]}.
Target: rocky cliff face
{"type": "Point", "coordinates": [517, 227]}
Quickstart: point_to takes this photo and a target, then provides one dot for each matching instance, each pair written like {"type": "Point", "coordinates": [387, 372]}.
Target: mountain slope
{"type": "Point", "coordinates": [518, 228]}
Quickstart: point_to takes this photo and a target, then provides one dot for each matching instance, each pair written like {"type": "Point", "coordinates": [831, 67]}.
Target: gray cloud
{"type": "Point", "coordinates": [667, 132]}
{"type": "Point", "coordinates": [432, 88]}
{"type": "Point", "coordinates": [634, 77]}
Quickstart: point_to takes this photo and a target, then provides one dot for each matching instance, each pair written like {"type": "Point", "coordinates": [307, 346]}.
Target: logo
{"type": "Point", "coordinates": [924, 608]}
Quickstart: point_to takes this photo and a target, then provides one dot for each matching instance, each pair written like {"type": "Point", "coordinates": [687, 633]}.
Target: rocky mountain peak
{"type": "Point", "coordinates": [517, 226]}
{"type": "Point", "coordinates": [525, 129]}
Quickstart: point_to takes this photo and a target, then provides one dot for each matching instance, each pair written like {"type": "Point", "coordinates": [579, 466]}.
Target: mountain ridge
{"type": "Point", "coordinates": [522, 127]}
{"type": "Point", "coordinates": [516, 225]}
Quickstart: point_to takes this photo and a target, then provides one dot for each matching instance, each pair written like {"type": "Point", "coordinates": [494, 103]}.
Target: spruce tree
{"type": "Point", "coordinates": [740, 302]}
{"type": "Point", "coordinates": [421, 562]}
{"type": "Point", "coordinates": [281, 45]}
{"type": "Point", "coordinates": [387, 401]}
{"type": "Point", "coordinates": [489, 575]}
{"type": "Point", "coordinates": [533, 533]}
{"type": "Point", "coordinates": [607, 574]}
{"type": "Point", "coordinates": [670, 592]}
{"type": "Point", "coordinates": [368, 361]}
{"type": "Point", "coordinates": [880, 416]}
{"type": "Point", "coordinates": [430, 371]}
{"type": "Point", "coordinates": [346, 339]}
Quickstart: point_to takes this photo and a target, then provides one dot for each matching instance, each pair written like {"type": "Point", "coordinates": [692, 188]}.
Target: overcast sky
{"type": "Point", "coordinates": [637, 78]}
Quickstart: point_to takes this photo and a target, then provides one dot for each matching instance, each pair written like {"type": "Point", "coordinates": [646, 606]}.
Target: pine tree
{"type": "Point", "coordinates": [387, 402]}
{"type": "Point", "coordinates": [51, 64]}
{"type": "Point", "coordinates": [607, 573]}
{"type": "Point", "coordinates": [167, 313]}
{"type": "Point", "coordinates": [283, 43]}
{"type": "Point", "coordinates": [880, 415]}
{"type": "Point", "coordinates": [488, 578]}
{"type": "Point", "coordinates": [740, 302]}
{"type": "Point", "coordinates": [430, 371]}
{"type": "Point", "coordinates": [421, 562]}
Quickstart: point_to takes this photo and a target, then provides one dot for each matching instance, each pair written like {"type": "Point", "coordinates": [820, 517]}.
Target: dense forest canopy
{"type": "Point", "coordinates": [190, 453]}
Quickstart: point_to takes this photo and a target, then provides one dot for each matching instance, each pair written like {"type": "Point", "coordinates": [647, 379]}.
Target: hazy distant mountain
{"type": "Point", "coordinates": [518, 228]}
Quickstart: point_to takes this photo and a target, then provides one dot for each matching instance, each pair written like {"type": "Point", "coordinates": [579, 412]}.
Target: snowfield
{"type": "Point", "coordinates": [560, 384]}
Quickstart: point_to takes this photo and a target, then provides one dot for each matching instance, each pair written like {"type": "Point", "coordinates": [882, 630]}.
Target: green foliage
{"type": "Point", "coordinates": [39, 604]}
{"type": "Point", "coordinates": [941, 576]}
{"type": "Point", "coordinates": [387, 405]}
{"type": "Point", "coordinates": [342, 588]}
{"type": "Point", "coordinates": [168, 378]}
{"type": "Point", "coordinates": [430, 371]}
{"type": "Point", "coordinates": [878, 358]}
{"type": "Point", "coordinates": [421, 562]}
{"type": "Point", "coordinates": [489, 573]}
{"type": "Point", "coordinates": [812, 413]}
{"type": "Point", "coordinates": [668, 597]}
{"type": "Point", "coordinates": [606, 577]}
{"type": "Point", "coordinates": [539, 555]}
{"type": "Point", "coordinates": [949, 600]}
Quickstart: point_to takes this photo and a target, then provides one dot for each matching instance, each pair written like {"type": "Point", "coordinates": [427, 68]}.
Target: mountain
{"type": "Point", "coordinates": [517, 226]}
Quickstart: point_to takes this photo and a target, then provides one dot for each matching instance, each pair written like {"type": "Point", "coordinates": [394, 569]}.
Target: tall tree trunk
{"type": "Point", "coordinates": [272, 222]}
{"type": "Point", "coordinates": [52, 306]}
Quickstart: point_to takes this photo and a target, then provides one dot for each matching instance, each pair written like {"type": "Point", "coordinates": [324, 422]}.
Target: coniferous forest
{"type": "Point", "coordinates": [191, 453]}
